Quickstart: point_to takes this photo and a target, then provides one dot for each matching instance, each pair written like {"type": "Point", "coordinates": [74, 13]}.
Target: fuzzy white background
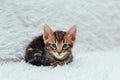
{"type": "Point", "coordinates": [97, 49]}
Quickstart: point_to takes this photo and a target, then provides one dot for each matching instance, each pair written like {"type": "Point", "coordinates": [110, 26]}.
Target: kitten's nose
{"type": "Point", "coordinates": [59, 52]}
{"type": "Point", "coordinates": [59, 49]}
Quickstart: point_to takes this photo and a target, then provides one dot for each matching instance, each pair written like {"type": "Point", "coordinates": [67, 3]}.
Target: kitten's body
{"type": "Point", "coordinates": [50, 49]}
{"type": "Point", "coordinates": [35, 53]}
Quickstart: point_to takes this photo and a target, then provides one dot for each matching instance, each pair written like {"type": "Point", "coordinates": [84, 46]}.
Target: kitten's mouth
{"type": "Point", "coordinates": [60, 56]}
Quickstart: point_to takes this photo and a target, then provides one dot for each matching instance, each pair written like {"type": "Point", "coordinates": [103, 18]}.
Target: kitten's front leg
{"type": "Point", "coordinates": [61, 63]}
{"type": "Point", "coordinates": [54, 64]}
{"type": "Point", "coordinates": [69, 60]}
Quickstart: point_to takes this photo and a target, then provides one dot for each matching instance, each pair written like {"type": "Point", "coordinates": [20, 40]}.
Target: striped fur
{"type": "Point", "coordinates": [51, 48]}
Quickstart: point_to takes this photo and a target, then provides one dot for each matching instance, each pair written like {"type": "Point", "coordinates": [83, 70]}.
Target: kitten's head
{"type": "Point", "coordinates": [59, 43]}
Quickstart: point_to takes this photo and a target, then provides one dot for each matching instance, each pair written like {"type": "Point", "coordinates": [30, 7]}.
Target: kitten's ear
{"type": "Point", "coordinates": [72, 32]}
{"type": "Point", "coordinates": [47, 32]}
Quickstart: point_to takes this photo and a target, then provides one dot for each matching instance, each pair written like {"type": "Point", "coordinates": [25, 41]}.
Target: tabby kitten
{"type": "Point", "coordinates": [51, 48]}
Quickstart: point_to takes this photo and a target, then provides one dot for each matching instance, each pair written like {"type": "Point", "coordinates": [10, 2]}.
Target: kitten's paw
{"type": "Point", "coordinates": [54, 64]}
{"type": "Point", "coordinates": [61, 63]}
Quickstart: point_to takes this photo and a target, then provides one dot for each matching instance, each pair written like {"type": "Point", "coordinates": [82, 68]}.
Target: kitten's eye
{"type": "Point", "coordinates": [53, 45]}
{"type": "Point", "coordinates": [65, 46]}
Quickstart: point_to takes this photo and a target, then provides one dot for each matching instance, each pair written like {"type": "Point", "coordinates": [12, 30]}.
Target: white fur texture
{"type": "Point", "coordinates": [96, 56]}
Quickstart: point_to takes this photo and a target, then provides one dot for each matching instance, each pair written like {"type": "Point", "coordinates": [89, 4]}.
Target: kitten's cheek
{"type": "Point", "coordinates": [47, 48]}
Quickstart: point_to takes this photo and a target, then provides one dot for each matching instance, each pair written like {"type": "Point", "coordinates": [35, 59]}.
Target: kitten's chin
{"type": "Point", "coordinates": [60, 56]}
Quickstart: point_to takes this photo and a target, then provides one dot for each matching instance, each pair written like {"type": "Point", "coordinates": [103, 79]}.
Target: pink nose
{"type": "Point", "coordinates": [59, 53]}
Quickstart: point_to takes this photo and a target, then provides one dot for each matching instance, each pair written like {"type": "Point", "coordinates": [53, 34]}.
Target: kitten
{"type": "Point", "coordinates": [51, 48]}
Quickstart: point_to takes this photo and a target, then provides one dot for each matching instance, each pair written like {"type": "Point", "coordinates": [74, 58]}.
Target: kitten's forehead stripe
{"type": "Point", "coordinates": [59, 35]}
